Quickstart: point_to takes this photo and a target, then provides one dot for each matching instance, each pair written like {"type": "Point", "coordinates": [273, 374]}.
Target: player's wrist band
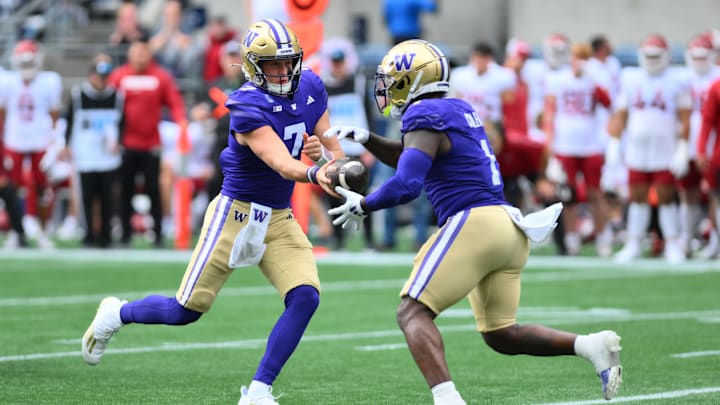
{"type": "Point", "coordinates": [311, 174]}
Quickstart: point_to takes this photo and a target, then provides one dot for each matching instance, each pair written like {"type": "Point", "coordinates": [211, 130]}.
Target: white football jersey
{"type": "Point", "coordinates": [700, 86]}
{"type": "Point", "coordinates": [483, 91]}
{"type": "Point", "coordinates": [28, 124]}
{"type": "Point", "coordinates": [575, 127]}
{"type": "Point", "coordinates": [652, 102]}
{"type": "Point", "coordinates": [535, 73]}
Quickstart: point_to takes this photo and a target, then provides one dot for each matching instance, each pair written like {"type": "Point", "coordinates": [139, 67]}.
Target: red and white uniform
{"type": "Point", "coordinates": [652, 102]}
{"type": "Point", "coordinates": [711, 123]}
{"type": "Point", "coordinates": [28, 123]}
{"type": "Point", "coordinates": [483, 91]}
{"type": "Point", "coordinates": [700, 86]}
{"type": "Point", "coordinates": [575, 126]}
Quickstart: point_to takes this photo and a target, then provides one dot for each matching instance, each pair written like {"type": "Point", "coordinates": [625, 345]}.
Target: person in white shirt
{"type": "Point", "coordinates": [653, 106]}
{"type": "Point", "coordinates": [485, 85]}
{"type": "Point", "coordinates": [29, 109]}
{"type": "Point", "coordinates": [702, 72]}
{"type": "Point", "coordinates": [570, 125]}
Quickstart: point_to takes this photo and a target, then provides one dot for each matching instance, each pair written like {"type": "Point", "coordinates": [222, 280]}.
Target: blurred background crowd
{"type": "Point", "coordinates": [105, 104]}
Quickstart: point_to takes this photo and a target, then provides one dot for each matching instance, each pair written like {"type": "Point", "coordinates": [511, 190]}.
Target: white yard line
{"type": "Point", "coordinates": [258, 343]}
{"type": "Point", "coordinates": [696, 354]}
{"type": "Point", "coordinates": [376, 348]}
{"type": "Point", "coordinates": [649, 397]}
{"type": "Point", "coordinates": [353, 259]}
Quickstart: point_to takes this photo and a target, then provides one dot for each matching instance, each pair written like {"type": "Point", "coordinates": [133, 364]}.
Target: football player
{"type": "Point", "coordinates": [30, 107]}
{"type": "Point", "coordinates": [250, 222]}
{"type": "Point", "coordinates": [571, 100]}
{"type": "Point", "coordinates": [708, 161]}
{"type": "Point", "coordinates": [701, 68]}
{"type": "Point", "coordinates": [651, 101]}
{"type": "Point", "coordinates": [485, 85]}
{"type": "Point", "coordinates": [445, 150]}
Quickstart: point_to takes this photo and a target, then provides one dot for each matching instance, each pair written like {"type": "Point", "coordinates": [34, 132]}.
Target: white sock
{"type": "Point", "coordinates": [717, 218]}
{"type": "Point", "coordinates": [689, 216]}
{"type": "Point", "coordinates": [581, 347]}
{"type": "Point", "coordinates": [258, 387]}
{"type": "Point", "coordinates": [668, 216]}
{"type": "Point", "coordinates": [638, 220]}
{"type": "Point", "coordinates": [446, 393]}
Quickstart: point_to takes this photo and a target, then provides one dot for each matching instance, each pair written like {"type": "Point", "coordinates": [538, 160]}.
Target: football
{"type": "Point", "coordinates": [349, 173]}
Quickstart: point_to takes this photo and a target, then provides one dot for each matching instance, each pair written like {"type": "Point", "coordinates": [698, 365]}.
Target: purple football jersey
{"type": "Point", "coordinates": [245, 176]}
{"type": "Point", "coordinates": [468, 175]}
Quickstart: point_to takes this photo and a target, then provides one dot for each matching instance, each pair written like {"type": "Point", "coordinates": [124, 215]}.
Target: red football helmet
{"type": "Point", "coordinates": [654, 54]}
{"type": "Point", "coordinates": [27, 58]}
{"type": "Point", "coordinates": [556, 50]}
{"type": "Point", "coordinates": [700, 55]}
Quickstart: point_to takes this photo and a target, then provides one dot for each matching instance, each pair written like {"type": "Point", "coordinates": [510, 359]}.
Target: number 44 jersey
{"type": "Point", "coordinates": [652, 103]}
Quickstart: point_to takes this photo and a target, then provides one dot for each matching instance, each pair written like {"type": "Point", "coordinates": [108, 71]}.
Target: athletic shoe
{"type": "Point", "coordinates": [265, 398]}
{"type": "Point", "coordinates": [605, 356]}
{"type": "Point", "coordinates": [674, 254]}
{"type": "Point", "coordinates": [628, 253]}
{"type": "Point", "coordinates": [103, 327]}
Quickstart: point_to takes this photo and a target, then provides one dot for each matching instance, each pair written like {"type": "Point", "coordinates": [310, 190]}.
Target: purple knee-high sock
{"type": "Point", "coordinates": [300, 305]}
{"type": "Point", "coordinates": [157, 309]}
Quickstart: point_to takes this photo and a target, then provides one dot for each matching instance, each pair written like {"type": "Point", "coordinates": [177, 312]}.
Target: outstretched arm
{"type": "Point", "coordinates": [386, 150]}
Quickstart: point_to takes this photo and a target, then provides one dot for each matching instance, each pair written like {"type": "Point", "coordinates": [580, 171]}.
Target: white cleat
{"type": "Point", "coordinates": [673, 253]}
{"type": "Point", "coordinates": [105, 324]}
{"type": "Point", "coordinates": [605, 356]}
{"type": "Point", "coordinates": [265, 398]}
{"type": "Point", "coordinates": [628, 253]}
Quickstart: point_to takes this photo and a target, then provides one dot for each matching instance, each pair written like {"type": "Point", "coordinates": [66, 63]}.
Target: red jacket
{"type": "Point", "coordinates": [146, 93]}
{"type": "Point", "coordinates": [212, 69]}
{"type": "Point", "coordinates": [710, 121]}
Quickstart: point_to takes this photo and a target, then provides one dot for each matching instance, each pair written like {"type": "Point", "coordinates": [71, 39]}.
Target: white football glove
{"type": "Point", "coordinates": [612, 153]}
{"type": "Point", "coordinates": [355, 134]}
{"type": "Point", "coordinates": [350, 213]}
{"type": "Point", "coordinates": [680, 163]}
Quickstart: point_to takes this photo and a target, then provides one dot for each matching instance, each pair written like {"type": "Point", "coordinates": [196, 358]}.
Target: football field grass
{"type": "Point", "coordinates": [353, 351]}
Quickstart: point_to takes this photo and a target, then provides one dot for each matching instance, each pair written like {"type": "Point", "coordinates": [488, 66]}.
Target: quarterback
{"type": "Point", "coordinates": [250, 221]}
{"type": "Point", "coordinates": [445, 150]}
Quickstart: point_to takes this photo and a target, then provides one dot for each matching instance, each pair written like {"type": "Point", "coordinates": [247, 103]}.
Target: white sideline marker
{"type": "Point", "coordinates": [649, 397]}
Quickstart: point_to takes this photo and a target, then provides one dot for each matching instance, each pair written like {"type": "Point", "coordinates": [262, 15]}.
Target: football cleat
{"type": "Point", "coordinates": [265, 398]}
{"type": "Point", "coordinates": [105, 324]}
{"type": "Point", "coordinates": [605, 356]}
{"type": "Point", "coordinates": [631, 251]}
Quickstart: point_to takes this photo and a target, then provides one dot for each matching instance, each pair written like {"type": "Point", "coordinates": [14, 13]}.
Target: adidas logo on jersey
{"type": "Point", "coordinates": [310, 100]}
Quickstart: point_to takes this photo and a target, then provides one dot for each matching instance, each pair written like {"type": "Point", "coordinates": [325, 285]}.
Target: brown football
{"type": "Point", "coordinates": [349, 173]}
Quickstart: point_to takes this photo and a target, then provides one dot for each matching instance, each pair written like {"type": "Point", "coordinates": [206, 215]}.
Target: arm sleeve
{"type": "Point", "coordinates": [602, 96]}
{"type": "Point", "coordinates": [405, 185]}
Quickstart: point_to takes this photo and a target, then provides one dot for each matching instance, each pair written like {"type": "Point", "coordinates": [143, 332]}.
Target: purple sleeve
{"type": "Point", "coordinates": [245, 118]}
{"type": "Point", "coordinates": [405, 185]}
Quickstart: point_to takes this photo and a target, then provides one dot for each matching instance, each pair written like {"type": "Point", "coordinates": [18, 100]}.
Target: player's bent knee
{"type": "Point", "coordinates": [502, 340]}
{"type": "Point", "coordinates": [179, 315]}
{"type": "Point", "coordinates": [305, 296]}
{"type": "Point", "coordinates": [410, 309]}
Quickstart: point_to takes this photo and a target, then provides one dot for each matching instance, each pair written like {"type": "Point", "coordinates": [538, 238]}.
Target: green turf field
{"type": "Point", "coordinates": [353, 352]}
